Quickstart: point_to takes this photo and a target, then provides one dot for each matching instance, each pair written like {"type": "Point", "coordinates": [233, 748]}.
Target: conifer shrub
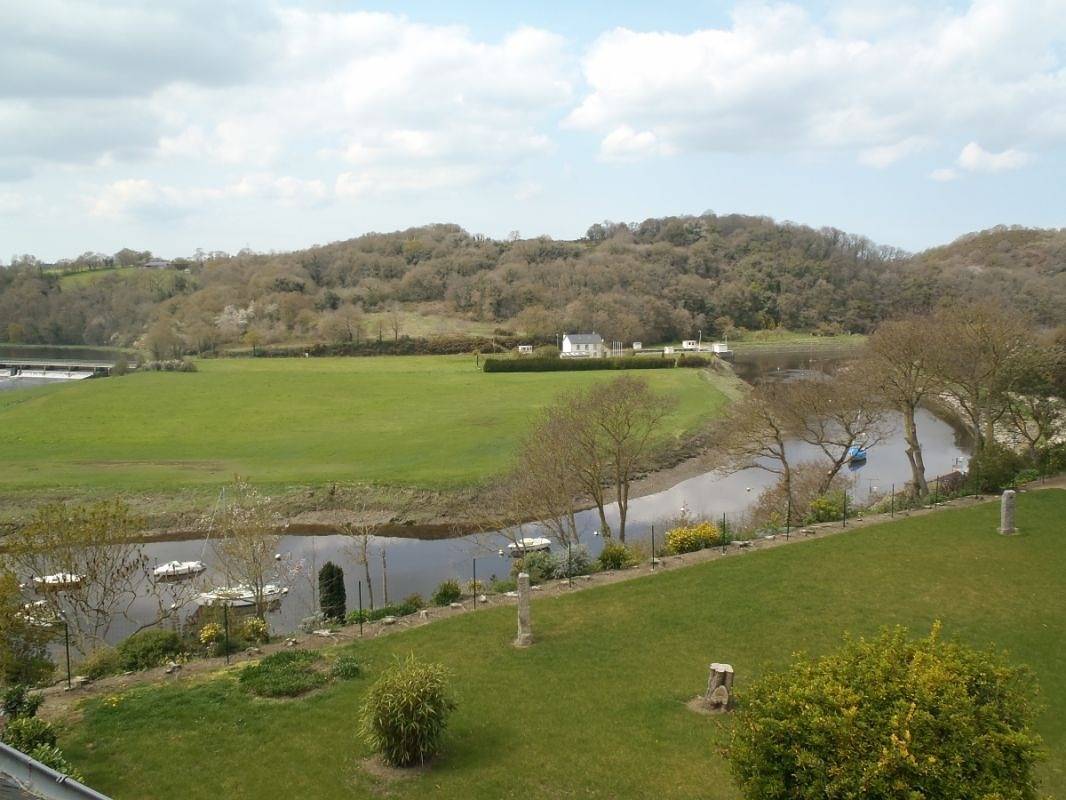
{"type": "Point", "coordinates": [405, 713]}
{"type": "Point", "coordinates": [333, 599]}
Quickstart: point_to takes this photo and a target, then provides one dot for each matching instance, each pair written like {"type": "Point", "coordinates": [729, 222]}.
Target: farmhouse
{"type": "Point", "coordinates": [583, 345]}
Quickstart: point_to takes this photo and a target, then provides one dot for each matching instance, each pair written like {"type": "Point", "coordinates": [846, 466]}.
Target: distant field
{"type": "Point", "coordinates": [72, 279]}
{"type": "Point", "coordinates": [596, 707]}
{"type": "Point", "coordinates": [433, 422]}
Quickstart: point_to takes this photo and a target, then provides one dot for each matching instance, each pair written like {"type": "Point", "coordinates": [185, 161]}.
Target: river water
{"type": "Point", "coordinates": [415, 565]}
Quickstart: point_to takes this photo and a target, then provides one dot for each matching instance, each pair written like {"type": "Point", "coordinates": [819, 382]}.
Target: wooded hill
{"type": "Point", "coordinates": [657, 280]}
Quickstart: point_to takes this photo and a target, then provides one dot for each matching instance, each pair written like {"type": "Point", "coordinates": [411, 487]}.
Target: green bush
{"type": "Point", "coordinates": [149, 649]}
{"type": "Point", "coordinates": [100, 663]}
{"type": "Point", "coordinates": [414, 601]}
{"type": "Point", "coordinates": [616, 555]}
{"type": "Point", "coordinates": [539, 565]}
{"type": "Point", "coordinates": [345, 668]}
{"type": "Point", "coordinates": [576, 562]}
{"type": "Point", "coordinates": [406, 711]}
{"type": "Point", "coordinates": [690, 538]}
{"type": "Point", "coordinates": [1052, 459]}
{"type": "Point", "coordinates": [995, 467]}
{"type": "Point", "coordinates": [502, 587]}
{"type": "Point", "coordinates": [288, 673]}
{"type": "Point", "coordinates": [881, 717]}
{"type": "Point", "coordinates": [447, 592]}
{"type": "Point", "coordinates": [52, 756]}
{"type": "Point", "coordinates": [1027, 475]}
{"type": "Point", "coordinates": [333, 599]}
{"type": "Point", "coordinates": [18, 701]}
{"type": "Point", "coordinates": [26, 733]}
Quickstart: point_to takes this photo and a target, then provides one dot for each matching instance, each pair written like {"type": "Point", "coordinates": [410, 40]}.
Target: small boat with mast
{"type": "Point", "coordinates": [178, 570]}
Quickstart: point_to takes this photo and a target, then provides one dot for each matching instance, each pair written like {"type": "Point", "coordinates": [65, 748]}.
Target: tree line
{"type": "Point", "coordinates": [657, 280]}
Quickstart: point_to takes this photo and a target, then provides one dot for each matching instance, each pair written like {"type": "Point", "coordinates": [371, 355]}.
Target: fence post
{"type": "Point", "coordinates": [653, 547]}
{"type": "Point", "coordinates": [360, 609]}
{"type": "Point", "coordinates": [225, 622]}
{"type": "Point", "coordinates": [892, 502]}
{"type": "Point", "coordinates": [845, 508]}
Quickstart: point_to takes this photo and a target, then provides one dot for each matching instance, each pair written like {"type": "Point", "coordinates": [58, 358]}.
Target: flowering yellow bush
{"type": "Point", "coordinates": [210, 633]}
{"type": "Point", "coordinates": [256, 630]}
{"type": "Point", "coordinates": [689, 538]}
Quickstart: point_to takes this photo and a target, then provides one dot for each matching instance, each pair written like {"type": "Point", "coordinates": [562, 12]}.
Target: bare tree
{"type": "Point", "coordinates": [25, 633]}
{"type": "Point", "coordinates": [1035, 408]}
{"type": "Point", "coordinates": [247, 544]}
{"type": "Point", "coordinates": [902, 368]}
{"type": "Point", "coordinates": [834, 416]}
{"type": "Point", "coordinates": [976, 349]}
{"type": "Point", "coordinates": [84, 565]}
{"type": "Point", "coordinates": [395, 320]}
{"type": "Point", "coordinates": [756, 431]}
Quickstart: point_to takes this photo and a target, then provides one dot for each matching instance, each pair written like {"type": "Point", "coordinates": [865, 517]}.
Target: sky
{"type": "Point", "coordinates": [224, 124]}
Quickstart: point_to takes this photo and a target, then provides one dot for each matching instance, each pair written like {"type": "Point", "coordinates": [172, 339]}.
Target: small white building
{"type": "Point", "coordinates": [583, 345]}
{"type": "Point", "coordinates": [637, 346]}
{"type": "Point", "coordinates": [525, 349]}
{"type": "Point", "coordinates": [690, 344]}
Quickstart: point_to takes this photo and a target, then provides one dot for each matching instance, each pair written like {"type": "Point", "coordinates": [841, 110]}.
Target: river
{"type": "Point", "coordinates": [420, 565]}
{"type": "Point", "coordinates": [45, 352]}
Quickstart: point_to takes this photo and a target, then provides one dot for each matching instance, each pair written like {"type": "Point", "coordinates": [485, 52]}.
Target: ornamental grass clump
{"type": "Point", "coordinates": [690, 538]}
{"type": "Point", "coordinates": [406, 712]}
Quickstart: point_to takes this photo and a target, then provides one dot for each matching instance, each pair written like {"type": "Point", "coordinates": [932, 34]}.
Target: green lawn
{"type": "Point", "coordinates": [71, 280]}
{"type": "Point", "coordinates": [433, 422]}
{"type": "Point", "coordinates": [595, 709]}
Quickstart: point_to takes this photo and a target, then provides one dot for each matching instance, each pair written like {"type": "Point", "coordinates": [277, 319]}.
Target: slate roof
{"type": "Point", "coordinates": [584, 338]}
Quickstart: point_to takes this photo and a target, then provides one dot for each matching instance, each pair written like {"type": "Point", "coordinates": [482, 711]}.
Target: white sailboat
{"type": "Point", "coordinates": [529, 544]}
{"type": "Point", "coordinates": [57, 582]}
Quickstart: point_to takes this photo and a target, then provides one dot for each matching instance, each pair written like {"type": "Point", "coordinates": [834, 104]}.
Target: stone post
{"type": "Point", "coordinates": [525, 630]}
{"type": "Point", "coordinates": [1006, 513]}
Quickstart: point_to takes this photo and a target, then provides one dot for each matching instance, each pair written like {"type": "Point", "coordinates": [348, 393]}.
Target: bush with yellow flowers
{"type": "Point", "coordinates": [690, 538]}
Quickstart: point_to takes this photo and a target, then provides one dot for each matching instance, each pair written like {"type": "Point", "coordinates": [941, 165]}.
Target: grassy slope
{"type": "Point", "coordinates": [74, 279]}
{"type": "Point", "coordinates": [595, 708]}
{"type": "Point", "coordinates": [423, 421]}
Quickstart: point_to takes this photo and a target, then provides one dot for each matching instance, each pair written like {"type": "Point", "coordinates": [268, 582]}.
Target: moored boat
{"type": "Point", "coordinates": [529, 545]}
{"type": "Point", "coordinates": [176, 570]}
{"type": "Point", "coordinates": [241, 596]}
{"type": "Point", "coordinates": [57, 582]}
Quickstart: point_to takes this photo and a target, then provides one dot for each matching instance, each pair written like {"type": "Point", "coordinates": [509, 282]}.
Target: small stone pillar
{"type": "Point", "coordinates": [525, 629]}
{"type": "Point", "coordinates": [719, 694]}
{"type": "Point", "coordinates": [1006, 513]}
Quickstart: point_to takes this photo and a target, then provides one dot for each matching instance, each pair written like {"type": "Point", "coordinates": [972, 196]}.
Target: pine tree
{"type": "Point", "coordinates": [332, 597]}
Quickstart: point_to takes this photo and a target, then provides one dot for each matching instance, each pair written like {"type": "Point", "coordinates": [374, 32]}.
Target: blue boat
{"type": "Point", "coordinates": [856, 454]}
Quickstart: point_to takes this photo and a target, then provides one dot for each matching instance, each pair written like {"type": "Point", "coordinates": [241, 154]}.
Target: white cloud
{"type": "Point", "coordinates": [139, 198]}
{"type": "Point", "coordinates": [975, 158]}
{"type": "Point", "coordinates": [626, 144]}
{"type": "Point", "coordinates": [881, 85]}
{"type": "Point", "coordinates": [944, 174]}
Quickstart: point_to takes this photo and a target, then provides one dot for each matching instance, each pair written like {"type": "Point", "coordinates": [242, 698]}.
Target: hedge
{"type": "Point", "coordinates": [553, 364]}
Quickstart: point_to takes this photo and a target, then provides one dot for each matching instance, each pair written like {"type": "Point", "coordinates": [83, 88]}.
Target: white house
{"type": "Point", "coordinates": [583, 345]}
{"type": "Point", "coordinates": [525, 349]}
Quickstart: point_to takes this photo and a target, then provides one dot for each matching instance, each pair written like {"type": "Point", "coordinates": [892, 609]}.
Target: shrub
{"type": "Point", "coordinates": [576, 562]}
{"type": "Point", "coordinates": [211, 633]}
{"type": "Point", "coordinates": [289, 673]}
{"type": "Point", "coordinates": [1027, 475]}
{"type": "Point", "coordinates": [447, 592]}
{"type": "Point", "coordinates": [333, 599]}
{"type": "Point", "coordinates": [1052, 459]}
{"type": "Point", "coordinates": [52, 756]}
{"type": "Point", "coordinates": [26, 733]}
{"type": "Point", "coordinates": [539, 565]}
{"type": "Point", "coordinates": [994, 467]}
{"type": "Point", "coordinates": [826, 508]}
{"type": "Point", "coordinates": [149, 649]}
{"type": "Point", "coordinates": [616, 555]}
{"type": "Point", "coordinates": [100, 663]}
{"type": "Point", "coordinates": [255, 630]}
{"type": "Point", "coordinates": [406, 711]}
{"type": "Point", "coordinates": [501, 587]}
{"type": "Point", "coordinates": [355, 617]}
{"type": "Point", "coordinates": [880, 717]}
{"type": "Point", "coordinates": [19, 702]}
{"type": "Point", "coordinates": [690, 538]}
{"type": "Point", "coordinates": [414, 601]}
{"type": "Point", "coordinates": [345, 668]}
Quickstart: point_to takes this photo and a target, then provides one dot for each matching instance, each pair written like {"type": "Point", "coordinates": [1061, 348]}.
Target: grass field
{"type": "Point", "coordinates": [433, 422]}
{"type": "Point", "coordinates": [595, 709]}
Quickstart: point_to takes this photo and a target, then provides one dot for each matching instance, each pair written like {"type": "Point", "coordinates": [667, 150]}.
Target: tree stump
{"type": "Point", "coordinates": [719, 695]}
